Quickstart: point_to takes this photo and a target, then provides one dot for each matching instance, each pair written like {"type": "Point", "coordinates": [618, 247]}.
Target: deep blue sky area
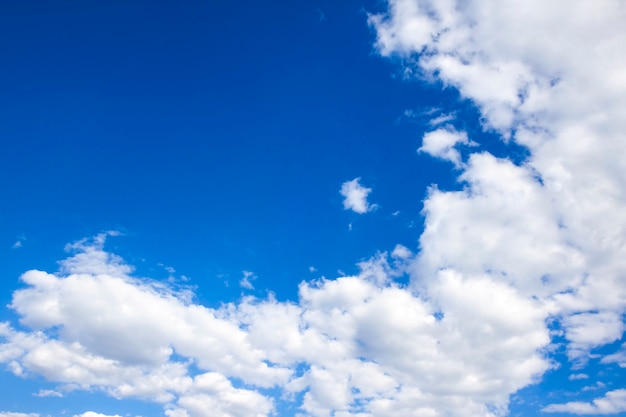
{"type": "Point", "coordinates": [215, 135]}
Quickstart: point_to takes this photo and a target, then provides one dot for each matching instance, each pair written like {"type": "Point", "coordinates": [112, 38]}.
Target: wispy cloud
{"type": "Point", "coordinates": [246, 280]}
{"type": "Point", "coordinates": [19, 242]}
{"type": "Point", "coordinates": [48, 393]}
{"type": "Point", "coordinates": [94, 414]}
{"type": "Point", "coordinates": [432, 116]}
{"type": "Point", "coordinates": [10, 414]}
{"type": "Point", "coordinates": [320, 15]}
{"type": "Point", "coordinates": [613, 402]}
{"type": "Point", "coordinates": [618, 357]}
{"type": "Point", "coordinates": [442, 119]}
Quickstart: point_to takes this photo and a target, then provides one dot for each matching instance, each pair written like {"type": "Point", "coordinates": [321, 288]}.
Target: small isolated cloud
{"type": "Point", "coordinates": [92, 414]}
{"type": "Point", "coordinates": [355, 197]}
{"type": "Point", "coordinates": [9, 414]}
{"type": "Point", "coordinates": [432, 116]}
{"type": "Point", "coordinates": [441, 144]}
{"type": "Point", "coordinates": [246, 281]}
{"type": "Point", "coordinates": [19, 242]}
{"type": "Point", "coordinates": [612, 403]}
{"type": "Point", "coordinates": [574, 377]}
{"type": "Point", "coordinates": [410, 114]}
{"type": "Point", "coordinates": [48, 393]}
{"type": "Point", "coordinates": [441, 119]}
{"type": "Point", "coordinates": [321, 16]}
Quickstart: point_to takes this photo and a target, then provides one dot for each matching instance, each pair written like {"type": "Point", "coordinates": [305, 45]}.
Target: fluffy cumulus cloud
{"type": "Point", "coordinates": [355, 196]}
{"type": "Point", "coordinates": [550, 78]}
{"type": "Point", "coordinates": [517, 246]}
{"type": "Point", "coordinates": [356, 345]}
{"type": "Point", "coordinates": [441, 144]}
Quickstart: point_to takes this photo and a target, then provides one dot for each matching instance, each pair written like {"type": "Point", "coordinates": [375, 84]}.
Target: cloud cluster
{"type": "Point", "coordinates": [358, 345]}
{"type": "Point", "coordinates": [550, 78]}
{"type": "Point", "coordinates": [517, 246]}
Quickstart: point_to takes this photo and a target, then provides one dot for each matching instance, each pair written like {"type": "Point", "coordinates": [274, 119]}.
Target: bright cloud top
{"type": "Point", "coordinates": [553, 228]}
{"type": "Point", "coordinates": [355, 196]}
{"type": "Point", "coordinates": [441, 143]}
{"type": "Point", "coordinates": [518, 247]}
{"type": "Point", "coordinates": [358, 344]}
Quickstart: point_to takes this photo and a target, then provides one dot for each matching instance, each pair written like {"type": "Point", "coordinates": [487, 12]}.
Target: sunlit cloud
{"type": "Point", "coordinates": [355, 196]}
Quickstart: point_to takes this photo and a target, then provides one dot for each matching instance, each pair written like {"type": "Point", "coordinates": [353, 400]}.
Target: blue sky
{"type": "Point", "coordinates": [313, 208]}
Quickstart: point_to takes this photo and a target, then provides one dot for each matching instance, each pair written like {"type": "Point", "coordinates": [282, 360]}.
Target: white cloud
{"type": "Point", "coordinates": [118, 334]}
{"type": "Point", "coordinates": [598, 385]}
{"type": "Point", "coordinates": [401, 252]}
{"type": "Point", "coordinates": [430, 115]}
{"type": "Point", "coordinates": [372, 343]}
{"type": "Point", "coordinates": [246, 280]}
{"type": "Point", "coordinates": [355, 197]}
{"type": "Point", "coordinates": [588, 330]}
{"type": "Point", "coordinates": [441, 144]}
{"type": "Point", "coordinates": [357, 344]}
{"type": "Point", "coordinates": [93, 414]}
{"type": "Point", "coordinates": [9, 414]}
{"type": "Point", "coordinates": [442, 119]}
{"type": "Point", "coordinates": [574, 377]}
{"type": "Point", "coordinates": [48, 393]}
{"type": "Point", "coordinates": [618, 357]}
{"type": "Point", "coordinates": [553, 227]}
{"type": "Point", "coordinates": [612, 403]}
{"type": "Point", "coordinates": [517, 245]}
{"type": "Point", "coordinates": [213, 394]}
{"type": "Point", "coordinates": [19, 242]}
